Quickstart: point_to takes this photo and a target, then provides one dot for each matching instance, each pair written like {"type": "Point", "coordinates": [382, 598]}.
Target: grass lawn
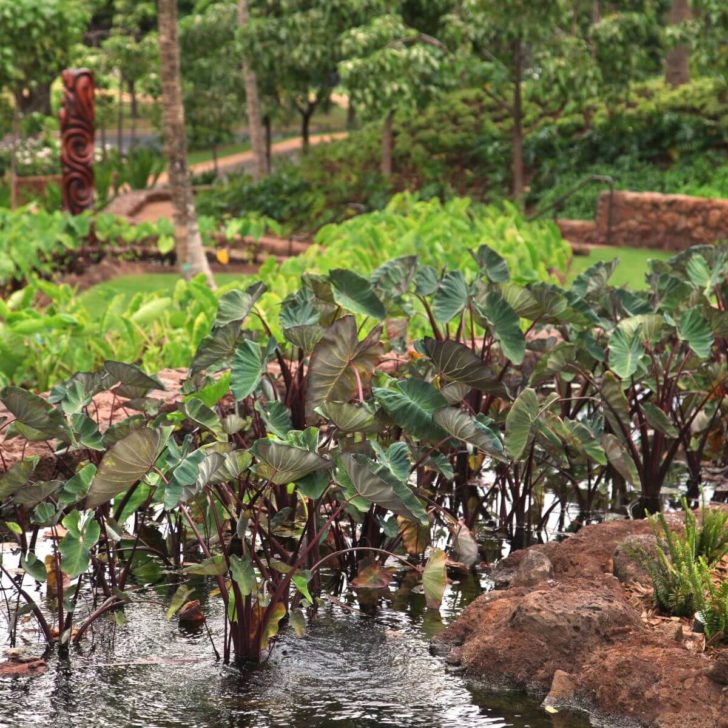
{"type": "Point", "coordinates": [632, 264]}
{"type": "Point", "coordinates": [631, 272]}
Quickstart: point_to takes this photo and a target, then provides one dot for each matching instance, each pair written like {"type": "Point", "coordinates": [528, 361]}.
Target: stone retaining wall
{"type": "Point", "coordinates": [666, 222]}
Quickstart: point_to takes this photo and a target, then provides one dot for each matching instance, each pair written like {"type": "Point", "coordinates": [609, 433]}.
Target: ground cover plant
{"type": "Point", "coordinates": [332, 443]}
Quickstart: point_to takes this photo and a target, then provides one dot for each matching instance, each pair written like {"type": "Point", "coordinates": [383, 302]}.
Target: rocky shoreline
{"type": "Point", "coordinates": [574, 622]}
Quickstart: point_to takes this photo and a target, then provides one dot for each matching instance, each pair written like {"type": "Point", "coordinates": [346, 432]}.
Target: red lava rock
{"type": "Point", "coordinates": [21, 667]}
{"type": "Point", "coordinates": [584, 626]}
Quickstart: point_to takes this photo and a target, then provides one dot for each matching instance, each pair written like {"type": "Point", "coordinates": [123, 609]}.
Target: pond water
{"type": "Point", "coordinates": [350, 670]}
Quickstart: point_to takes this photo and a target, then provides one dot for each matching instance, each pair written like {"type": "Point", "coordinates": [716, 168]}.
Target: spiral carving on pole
{"type": "Point", "coordinates": [77, 140]}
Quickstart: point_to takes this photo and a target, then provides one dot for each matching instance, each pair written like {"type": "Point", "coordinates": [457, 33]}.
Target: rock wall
{"type": "Point", "coordinates": [666, 222]}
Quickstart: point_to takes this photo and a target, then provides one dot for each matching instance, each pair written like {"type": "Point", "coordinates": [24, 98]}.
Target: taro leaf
{"type": "Point", "coordinates": [45, 421]}
{"type": "Point", "coordinates": [87, 431]}
{"type": "Point", "coordinates": [584, 439]}
{"type": "Point", "coordinates": [304, 337]}
{"type": "Point", "coordinates": [276, 417]}
{"type": "Point", "coordinates": [127, 462]}
{"type": "Point", "coordinates": [434, 579]}
{"type": "Point", "coordinates": [314, 484]}
{"type": "Point", "coordinates": [188, 478]}
{"type": "Point", "coordinates": [594, 279]}
{"type": "Point", "coordinates": [505, 325]}
{"type": "Point", "coordinates": [411, 404]}
{"type": "Point", "coordinates": [465, 545]}
{"type": "Point", "coordinates": [426, 281]}
{"type": "Point", "coordinates": [620, 459]}
{"type": "Point", "coordinates": [396, 457]}
{"type": "Point", "coordinates": [455, 392]}
{"type": "Point", "coordinates": [33, 566]}
{"type": "Point", "coordinates": [463, 426]}
{"type": "Point", "coordinates": [698, 271]}
{"type": "Point", "coordinates": [234, 306]}
{"type": "Point", "coordinates": [491, 264]}
{"type": "Point", "coordinates": [694, 328]}
{"type": "Point", "coordinates": [72, 395]}
{"type": "Point", "coordinates": [241, 569]}
{"type": "Point", "coordinates": [415, 536]}
{"type": "Point", "coordinates": [77, 486]}
{"type": "Point", "coordinates": [557, 361]}
{"type": "Point", "coordinates": [300, 581]}
{"type": "Point", "coordinates": [299, 310]}
{"type": "Point", "coordinates": [616, 407]}
{"type": "Point", "coordinates": [519, 422]}
{"type": "Point", "coordinates": [233, 464]}
{"type": "Point", "coordinates": [214, 566]}
{"type": "Point", "coordinates": [451, 297]}
{"type": "Point", "coordinates": [377, 484]}
{"type": "Point", "coordinates": [247, 368]}
{"type": "Point", "coordinates": [180, 597]}
{"type": "Point", "coordinates": [134, 382]}
{"type": "Point", "coordinates": [121, 429]}
{"type": "Point", "coordinates": [394, 277]}
{"type": "Point", "coordinates": [32, 495]}
{"type": "Point", "coordinates": [625, 352]}
{"type": "Point", "coordinates": [457, 363]}
{"type": "Point", "coordinates": [284, 464]}
{"type": "Point", "coordinates": [17, 476]}
{"type": "Point", "coordinates": [355, 293]}
{"type": "Point", "coordinates": [217, 348]}
{"type": "Point", "coordinates": [214, 390]}
{"type": "Point", "coordinates": [331, 373]}
{"type": "Point", "coordinates": [373, 576]}
{"type": "Point", "coordinates": [203, 415]}
{"type": "Point", "coordinates": [232, 423]}
{"type": "Point", "coordinates": [298, 622]}
{"type": "Point", "coordinates": [76, 548]}
{"type": "Point", "coordinates": [659, 420]}
{"type": "Point", "coordinates": [350, 417]}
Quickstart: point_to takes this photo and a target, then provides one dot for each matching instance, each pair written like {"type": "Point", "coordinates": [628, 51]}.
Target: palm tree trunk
{"type": "Point", "coordinates": [677, 60]}
{"type": "Point", "coordinates": [252, 103]}
{"type": "Point", "coordinates": [190, 253]}
{"type": "Point", "coordinates": [517, 131]}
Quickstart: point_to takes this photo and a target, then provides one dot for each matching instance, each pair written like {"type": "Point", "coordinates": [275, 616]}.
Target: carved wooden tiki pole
{"type": "Point", "coordinates": [77, 140]}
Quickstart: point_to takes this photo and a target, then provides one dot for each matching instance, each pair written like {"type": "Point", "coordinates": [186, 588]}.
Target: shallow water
{"type": "Point", "coordinates": [350, 670]}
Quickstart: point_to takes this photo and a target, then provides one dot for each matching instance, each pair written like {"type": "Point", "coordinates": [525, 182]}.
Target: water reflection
{"type": "Point", "coordinates": [349, 670]}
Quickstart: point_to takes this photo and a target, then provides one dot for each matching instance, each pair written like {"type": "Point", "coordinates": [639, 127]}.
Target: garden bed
{"type": "Point", "coordinates": [575, 620]}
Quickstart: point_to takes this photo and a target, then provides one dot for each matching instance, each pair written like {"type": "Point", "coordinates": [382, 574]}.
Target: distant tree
{"type": "Point", "coordinates": [677, 60]}
{"type": "Point", "coordinates": [390, 67]}
{"type": "Point", "coordinates": [190, 253]}
{"type": "Point", "coordinates": [212, 76]}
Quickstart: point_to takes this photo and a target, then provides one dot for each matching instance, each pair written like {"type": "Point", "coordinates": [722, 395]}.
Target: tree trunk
{"type": "Point", "coordinates": [215, 166]}
{"type": "Point", "coordinates": [350, 116]}
{"type": "Point", "coordinates": [268, 140]}
{"type": "Point", "coordinates": [387, 144]}
{"type": "Point", "coordinates": [134, 100]}
{"type": "Point", "coordinates": [517, 132]}
{"type": "Point", "coordinates": [36, 99]}
{"type": "Point", "coordinates": [190, 253]}
{"type": "Point", "coordinates": [14, 158]}
{"type": "Point", "coordinates": [677, 60]}
{"type": "Point", "coordinates": [261, 166]}
{"type": "Point", "coordinates": [305, 129]}
{"type": "Point", "coordinates": [120, 121]}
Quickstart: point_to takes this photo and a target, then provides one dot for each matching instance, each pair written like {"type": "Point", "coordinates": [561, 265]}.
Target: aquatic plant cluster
{"type": "Point", "coordinates": [294, 462]}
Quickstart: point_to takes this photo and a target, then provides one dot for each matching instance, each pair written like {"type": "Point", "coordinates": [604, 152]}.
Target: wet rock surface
{"type": "Point", "coordinates": [584, 640]}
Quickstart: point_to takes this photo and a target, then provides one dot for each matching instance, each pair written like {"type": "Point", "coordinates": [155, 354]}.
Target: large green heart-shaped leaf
{"type": "Point", "coordinates": [235, 305]}
{"type": "Point", "coordinates": [620, 459]}
{"type": "Point", "coordinates": [411, 404]}
{"type": "Point", "coordinates": [659, 420]}
{"type": "Point", "coordinates": [331, 372]}
{"type": "Point", "coordinates": [247, 368]}
{"type": "Point", "coordinates": [241, 569]}
{"type": "Point", "coordinates": [133, 380]}
{"type": "Point", "coordinates": [282, 464]}
{"type": "Point", "coordinates": [694, 327]}
{"type": "Point", "coordinates": [394, 277]}
{"type": "Point", "coordinates": [17, 476]}
{"type": "Point", "coordinates": [451, 297]}
{"type": "Point", "coordinates": [491, 264]}
{"type": "Point", "coordinates": [355, 293]}
{"type": "Point", "coordinates": [217, 348]}
{"type": "Point", "coordinates": [504, 324]}
{"type": "Point", "coordinates": [457, 363]}
{"type": "Point", "coordinates": [75, 548]}
{"type": "Point", "coordinates": [377, 484]}
{"type": "Point", "coordinates": [463, 426]}
{"type": "Point", "coordinates": [45, 422]}
{"type": "Point", "coordinates": [350, 417]}
{"type": "Point", "coordinates": [616, 407]}
{"type": "Point", "coordinates": [304, 337]}
{"type": "Point", "coordinates": [127, 462]}
{"type": "Point", "coordinates": [625, 352]}
{"type": "Point", "coordinates": [519, 422]}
